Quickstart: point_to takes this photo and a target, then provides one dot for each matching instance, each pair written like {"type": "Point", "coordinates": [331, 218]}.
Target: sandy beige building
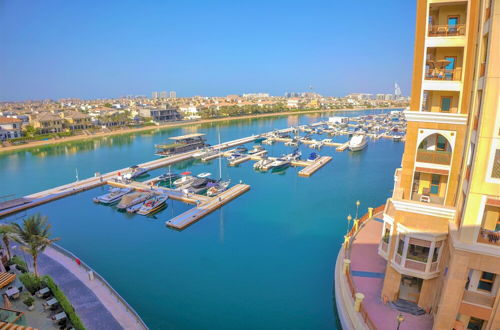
{"type": "Point", "coordinates": [441, 232]}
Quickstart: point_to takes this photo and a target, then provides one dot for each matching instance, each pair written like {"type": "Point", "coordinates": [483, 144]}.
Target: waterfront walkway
{"type": "Point", "coordinates": [97, 307]}
{"type": "Point", "coordinates": [367, 271]}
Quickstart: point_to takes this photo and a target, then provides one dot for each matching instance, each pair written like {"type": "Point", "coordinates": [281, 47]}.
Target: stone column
{"type": "Point", "coordinates": [347, 266]}
{"type": "Point", "coordinates": [356, 224]}
{"type": "Point", "coordinates": [358, 300]}
{"type": "Point", "coordinates": [370, 212]}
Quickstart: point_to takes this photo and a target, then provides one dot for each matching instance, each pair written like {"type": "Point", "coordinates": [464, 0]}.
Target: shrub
{"type": "Point", "coordinates": [21, 264]}
{"type": "Point", "coordinates": [31, 282]}
{"type": "Point", "coordinates": [29, 301]}
{"type": "Point", "coordinates": [63, 302]}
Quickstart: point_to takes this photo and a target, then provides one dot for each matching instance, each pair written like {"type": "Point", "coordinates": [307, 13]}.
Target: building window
{"type": "Point", "coordinates": [401, 246]}
{"type": "Point", "coordinates": [387, 234]}
{"type": "Point", "coordinates": [440, 143]}
{"type": "Point", "coordinates": [495, 172]}
{"type": "Point", "coordinates": [486, 281]}
{"type": "Point", "coordinates": [475, 324]}
{"type": "Point", "coordinates": [436, 178]}
{"type": "Point", "coordinates": [417, 253]}
{"type": "Point", "coordinates": [446, 103]}
{"type": "Point", "coordinates": [435, 255]}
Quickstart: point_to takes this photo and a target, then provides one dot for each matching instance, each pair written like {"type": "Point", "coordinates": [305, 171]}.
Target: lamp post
{"type": "Point", "coordinates": [357, 208]}
{"type": "Point", "coordinates": [400, 319]}
{"type": "Point", "coordinates": [349, 218]}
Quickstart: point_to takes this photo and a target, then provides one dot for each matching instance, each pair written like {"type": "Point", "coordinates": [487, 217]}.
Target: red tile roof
{"type": "Point", "coordinates": [8, 120]}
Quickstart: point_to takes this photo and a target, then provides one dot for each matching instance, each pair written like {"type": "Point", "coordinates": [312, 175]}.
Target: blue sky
{"type": "Point", "coordinates": [98, 49]}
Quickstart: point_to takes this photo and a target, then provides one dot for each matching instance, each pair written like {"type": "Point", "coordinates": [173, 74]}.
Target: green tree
{"type": "Point", "coordinates": [7, 234]}
{"type": "Point", "coordinates": [34, 235]}
{"type": "Point", "coordinates": [30, 131]}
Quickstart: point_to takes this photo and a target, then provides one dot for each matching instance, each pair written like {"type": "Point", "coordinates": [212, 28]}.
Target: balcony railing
{"type": "Point", "coordinates": [434, 157]}
{"type": "Point", "coordinates": [447, 30]}
{"type": "Point", "coordinates": [489, 237]}
{"type": "Point", "coordinates": [477, 298]}
{"type": "Point", "coordinates": [415, 265]}
{"type": "Point", "coordinates": [443, 74]}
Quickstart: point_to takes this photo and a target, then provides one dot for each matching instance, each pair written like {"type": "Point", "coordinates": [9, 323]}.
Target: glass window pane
{"type": "Point", "coordinates": [445, 103]}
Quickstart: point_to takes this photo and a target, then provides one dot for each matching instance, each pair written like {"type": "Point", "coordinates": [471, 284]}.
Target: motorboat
{"type": "Point", "coordinates": [113, 196]}
{"type": "Point", "coordinates": [135, 171]}
{"type": "Point", "coordinates": [234, 156]}
{"type": "Point", "coordinates": [132, 199]}
{"type": "Point", "coordinates": [316, 145]}
{"type": "Point", "coordinates": [184, 180]}
{"type": "Point", "coordinates": [134, 208]}
{"type": "Point", "coordinates": [278, 164]}
{"type": "Point", "coordinates": [168, 177]}
{"type": "Point", "coordinates": [268, 141]}
{"type": "Point", "coordinates": [204, 175]}
{"type": "Point", "coordinates": [358, 142]}
{"type": "Point", "coordinates": [153, 205]}
{"type": "Point", "coordinates": [326, 141]}
{"type": "Point", "coordinates": [294, 156]}
{"type": "Point", "coordinates": [292, 143]}
{"type": "Point", "coordinates": [217, 188]}
{"type": "Point", "coordinates": [313, 157]}
{"type": "Point", "coordinates": [256, 149]}
{"type": "Point", "coordinates": [397, 138]}
{"type": "Point", "coordinates": [198, 185]}
{"type": "Point", "coordinates": [262, 164]}
{"type": "Point", "coordinates": [241, 150]}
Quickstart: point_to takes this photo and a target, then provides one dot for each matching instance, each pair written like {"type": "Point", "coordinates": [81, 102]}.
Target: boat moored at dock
{"type": "Point", "coordinates": [132, 199]}
{"type": "Point", "coordinates": [358, 142]}
{"type": "Point", "coordinates": [153, 205]}
{"type": "Point", "coordinates": [114, 195]}
{"type": "Point", "coordinates": [135, 172]}
{"type": "Point", "coordinates": [183, 143]}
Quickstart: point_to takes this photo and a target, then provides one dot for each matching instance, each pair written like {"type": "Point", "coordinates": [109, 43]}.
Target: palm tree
{"type": "Point", "coordinates": [34, 236]}
{"type": "Point", "coordinates": [6, 234]}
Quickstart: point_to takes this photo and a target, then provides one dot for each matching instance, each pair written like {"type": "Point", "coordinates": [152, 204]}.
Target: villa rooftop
{"type": "Point", "coordinates": [188, 136]}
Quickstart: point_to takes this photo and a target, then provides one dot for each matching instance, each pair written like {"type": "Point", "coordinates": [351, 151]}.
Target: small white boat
{"type": "Point", "coordinates": [268, 141]}
{"type": "Point", "coordinates": [218, 188]}
{"type": "Point", "coordinates": [153, 205]}
{"type": "Point", "coordinates": [358, 142]}
{"type": "Point", "coordinates": [278, 164]}
{"type": "Point", "coordinates": [135, 171]}
{"type": "Point", "coordinates": [186, 179]}
{"type": "Point", "coordinates": [206, 152]}
{"type": "Point", "coordinates": [316, 145]}
{"type": "Point", "coordinates": [294, 156]}
{"type": "Point", "coordinates": [313, 157]}
{"type": "Point", "coordinates": [256, 149]}
{"type": "Point", "coordinates": [293, 143]}
{"type": "Point", "coordinates": [114, 195]}
{"type": "Point", "coordinates": [204, 175]}
{"type": "Point", "coordinates": [234, 156]}
{"type": "Point", "coordinates": [135, 208]}
{"type": "Point", "coordinates": [262, 164]}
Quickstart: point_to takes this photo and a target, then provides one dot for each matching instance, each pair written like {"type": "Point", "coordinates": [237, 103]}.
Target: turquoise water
{"type": "Point", "coordinates": [264, 261]}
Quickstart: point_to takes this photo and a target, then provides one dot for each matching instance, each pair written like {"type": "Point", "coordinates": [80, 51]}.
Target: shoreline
{"type": "Point", "coordinates": [172, 125]}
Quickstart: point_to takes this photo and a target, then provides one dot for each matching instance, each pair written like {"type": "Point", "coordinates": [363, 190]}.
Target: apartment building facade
{"type": "Point", "coordinates": [441, 233]}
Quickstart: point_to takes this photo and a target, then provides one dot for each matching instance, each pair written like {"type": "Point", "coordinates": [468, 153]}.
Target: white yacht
{"type": "Point", "coordinates": [114, 195]}
{"type": "Point", "coordinates": [358, 142]}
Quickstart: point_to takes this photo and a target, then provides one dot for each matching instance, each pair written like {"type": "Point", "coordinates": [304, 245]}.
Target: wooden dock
{"type": "Point", "coordinates": [202, 209]}
{"type": "Point", "coordinates": [319, 163]}
{"type": "Point", "coordinates": [343, 147]}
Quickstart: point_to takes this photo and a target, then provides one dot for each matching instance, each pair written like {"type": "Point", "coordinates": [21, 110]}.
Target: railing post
{"type": "Point", "coordinates": [346, 241]}
{"type": "Point", "coordinates": [370, 212]}
{"type": "Point", "coordinates": [358, 300]}
{"type": "Point", "coordinates": [347, 265]}
{"type": "Point", "coordinates": [356, 224]}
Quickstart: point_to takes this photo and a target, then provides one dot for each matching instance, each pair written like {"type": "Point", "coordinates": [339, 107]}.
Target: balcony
{"type": "Point", "coordinates": [434, 157]}
{"type": "Point", "coordinates": [451, 30]}
{"type": "Point", "coordinates": [443, 74]}
{"type": "Point", "coordinates": [417, 256]}
{"type": "Point", "coordinates": [490, 237]}
{"type": "Point", "coordinates": [476, 298]}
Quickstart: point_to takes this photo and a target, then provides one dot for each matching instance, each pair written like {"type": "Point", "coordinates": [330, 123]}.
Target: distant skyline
{"type": "Point", "coordinates": [107, 49]}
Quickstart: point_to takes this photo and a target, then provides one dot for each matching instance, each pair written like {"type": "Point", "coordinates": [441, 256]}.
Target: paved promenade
{"type": "Point", "coordinates": [367, 270]}
{"type": "Point", "coordinates": [92, 300]}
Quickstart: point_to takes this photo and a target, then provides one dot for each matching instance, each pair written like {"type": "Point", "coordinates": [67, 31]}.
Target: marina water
{"type": "Point", "coordinates": [263, 261]}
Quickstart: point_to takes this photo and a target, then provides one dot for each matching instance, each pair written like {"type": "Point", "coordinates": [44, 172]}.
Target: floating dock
{"type": "Point", "coordinates": [316, 165]}
{"type": "Point", "coordinates": [191, 216]}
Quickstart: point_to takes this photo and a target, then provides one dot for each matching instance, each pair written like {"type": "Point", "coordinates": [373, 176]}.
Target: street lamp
{"type": "Point", "coordinates": [357, 208]}
{"type": "Point", "coordinates": [400, 319]}
{"type": "Point", "coordinates": [349, 218]}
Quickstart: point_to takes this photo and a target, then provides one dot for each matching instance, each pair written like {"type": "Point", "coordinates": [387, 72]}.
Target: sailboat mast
{"type": "Point", "coordinates": [220, 159]}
